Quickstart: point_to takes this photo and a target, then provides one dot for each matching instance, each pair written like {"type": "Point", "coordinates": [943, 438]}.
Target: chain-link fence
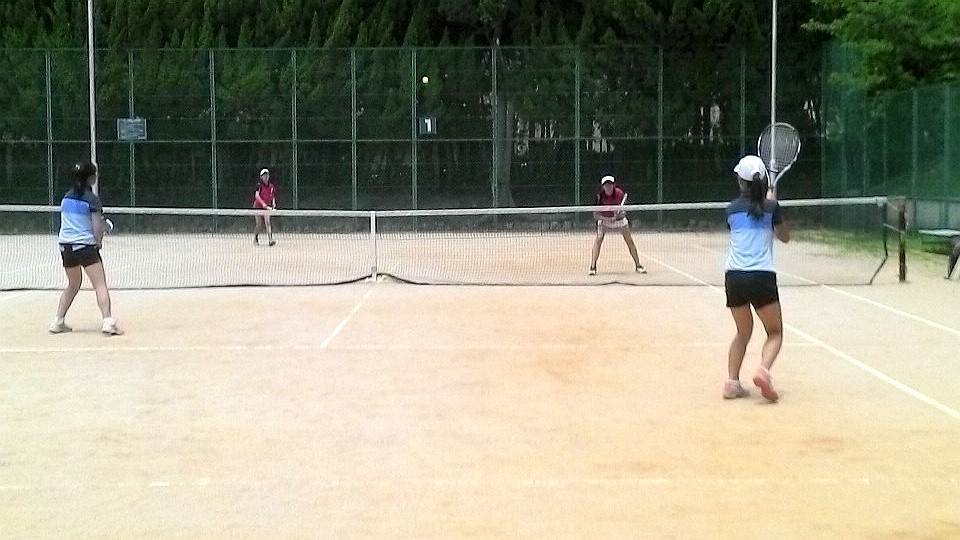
{"type": "Point", "coordinates": [397, 127]}
{"type": "Point", "coordinates": [903, 143]}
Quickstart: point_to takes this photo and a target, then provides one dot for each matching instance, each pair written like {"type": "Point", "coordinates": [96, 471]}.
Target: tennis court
{"type": "Point", "coordinates": [386, 410]}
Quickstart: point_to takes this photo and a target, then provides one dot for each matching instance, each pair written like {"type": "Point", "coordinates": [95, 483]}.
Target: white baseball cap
{"type": "Point", "coordinates": [264, 171]}
{"type": "Point", "coordinates": [606, 179]}
{"type": "Point", "coordinates": [749, 166]}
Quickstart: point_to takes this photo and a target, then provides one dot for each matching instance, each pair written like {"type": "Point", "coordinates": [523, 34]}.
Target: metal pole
{"type": "Point", "coordinates": [494, 177]}
{"type": "Point", "coordinates": [49, 90]}
{"type": "Point", "coordinates": [773, 70]}
{"type": "Point", "coordinates": [132, 150]}
{"type": "Point", "coordinates": [773, 93]}
{"type": "Point", "coordinates": [373, 245]}
{"type": "Point", "coordinates": [915, 145]}
{"type": "Point", "coordinates": [886, 169]}
{"type": "Point", "coordinates": [413, 128]}
{"type": "Point", "coordinates": [576, 129]}
{"type": "Point", "coordinates": [92, 90]}
{"type": "Point", "coordinates": [947, 113]}
{"type": "Point", "coordinates": [213, 128]}
{"type": "Point", "coordinates": [660, 124]}
{"type": "Point", "coordinates": [864, 159]}
{"type": "Point", "coordinates": [293, 123]}
{"type": "Point", "coordinates": [901, 249]}
{"type": "Point", "coordinates": [353, 126]}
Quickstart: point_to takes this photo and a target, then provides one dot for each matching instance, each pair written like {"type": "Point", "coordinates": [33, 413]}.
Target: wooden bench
{"type": "Point", "coordinates": [937, 240]}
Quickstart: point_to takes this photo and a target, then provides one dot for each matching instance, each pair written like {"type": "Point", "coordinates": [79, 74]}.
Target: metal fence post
{"type": "Point", "coordinates": [131, 145]}
{"type": "Point", "coordinates": [495, 108]}
{"type": "Point", "coordinates": [886, 165]}
{"type": "Point", "coordinates": [947, 113]}
{"type": "Point", "coordinates": [915, 129]}
{"type": "Point", "coordinates": [213, 127]}
{"type": "Point", "coordinates": [353, 127]}
{"type": "Point", "coordinates": [374, 270]}
{"type": "Point", "coordinates": [49, 94]}
{"type": "Point", "coordinates": [413, 127]}
{"type": "Point", "coordinates": [293, 129]}
{"type": "Point", "coordinates": [660, 144]}
{"type": "Point", "coordinates": [576, 128]}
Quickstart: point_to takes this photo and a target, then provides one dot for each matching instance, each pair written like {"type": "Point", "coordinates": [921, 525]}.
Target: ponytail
{"type": "Point", "coordinates": [81, 172]}
{"type": "Point", "coordinates": [758, 193]}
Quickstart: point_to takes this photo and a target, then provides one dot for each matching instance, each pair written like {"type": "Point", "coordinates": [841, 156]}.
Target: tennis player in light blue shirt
{"type": "Point", "coordinates": [750, 280]}
{"type": "Point", "coordinates": [81, 235]}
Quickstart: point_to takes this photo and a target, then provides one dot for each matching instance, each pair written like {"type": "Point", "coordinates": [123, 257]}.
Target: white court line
{"type": "Point", "coordinates": [880, 375]}
{"type": "Point", "coordinates": [678, 271]}
{"type": "Point", "coordinates": [880, 305]}
{"type": "Point", "coordinates": [846, 357]}
{"type": "Point", "coordinates": [538, 482]}
{"type": "Point", "coordinates": [892, 309]}
{"type": "Point", "coordinates": [356, 308]}
{"type": "Point", "coordinates": [13, 295]}
{"type": "Point", "coordinates": [363, 347]}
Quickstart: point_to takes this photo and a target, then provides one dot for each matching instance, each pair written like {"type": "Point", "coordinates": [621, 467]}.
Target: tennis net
{"type": "Point", "coordinates": [836, 241]}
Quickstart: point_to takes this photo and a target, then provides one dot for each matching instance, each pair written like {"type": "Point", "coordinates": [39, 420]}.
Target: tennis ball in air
{"type": "Point", "coordinates": [425, 79]}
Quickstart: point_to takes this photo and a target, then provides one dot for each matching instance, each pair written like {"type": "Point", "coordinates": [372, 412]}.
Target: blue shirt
{"type": "Point", "coordinates": [76, 217]}
{"type": "Point", "coordinates": [751, 239]}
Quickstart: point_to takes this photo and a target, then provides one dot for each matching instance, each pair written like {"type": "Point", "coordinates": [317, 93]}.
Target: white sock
{"type": "Point", "coordinates": [58, 320]}
{"type": "Point", "coordinates": [109, 320]}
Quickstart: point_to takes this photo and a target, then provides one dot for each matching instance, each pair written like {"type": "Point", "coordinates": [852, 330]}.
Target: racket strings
{"type": "Point", "coordinates": [786, 151]}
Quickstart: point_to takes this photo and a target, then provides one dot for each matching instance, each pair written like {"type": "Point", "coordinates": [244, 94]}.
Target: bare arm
{"type": "Point", "coordinates": [782, 231]}
{"type": "Point", "coordinates": [96, 219]}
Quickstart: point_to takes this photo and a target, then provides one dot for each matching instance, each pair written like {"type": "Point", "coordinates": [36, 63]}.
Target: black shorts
{"type": "Point", "coordinates": [757, 288]}
{"type": "Point", "coordinates": [75, 255]}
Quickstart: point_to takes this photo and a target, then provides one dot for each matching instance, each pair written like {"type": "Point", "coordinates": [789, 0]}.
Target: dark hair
{"type": "Point", "coordinates": [758, 192]}
{"type": "Point", "coordinates": [82, 171]}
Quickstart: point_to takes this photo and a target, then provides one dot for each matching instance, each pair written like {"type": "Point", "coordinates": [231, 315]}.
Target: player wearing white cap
{"type": "Point", "coordinates": [264, 198]}
{"type": "Point", "coordinates": [754, 220]}
{"type": "Point", "coordinates": [611, 194]}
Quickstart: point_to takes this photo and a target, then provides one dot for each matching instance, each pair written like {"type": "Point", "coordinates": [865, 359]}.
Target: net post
{"type": "Point", "coordinates": [884, 209]}
{"type": "Point", "coordinates": [373, 245]}
{"type": "Point", "coordinates": [900, 206]}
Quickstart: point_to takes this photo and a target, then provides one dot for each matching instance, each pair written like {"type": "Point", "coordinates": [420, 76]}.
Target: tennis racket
{"type": "Point", "coordinates": [778, 147]}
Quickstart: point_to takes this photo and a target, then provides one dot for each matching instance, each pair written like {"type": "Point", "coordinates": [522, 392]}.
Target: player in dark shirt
{"type": "Point", "coordinates": [611, 194]}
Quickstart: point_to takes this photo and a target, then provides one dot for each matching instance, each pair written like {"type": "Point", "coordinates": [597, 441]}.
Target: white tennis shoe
{"type": "Point", "coordinates": [59, 327]}
{"type": "Point", "coordinates": [110, 327]}
{"type": "Point", "coordinates": [733, 390]}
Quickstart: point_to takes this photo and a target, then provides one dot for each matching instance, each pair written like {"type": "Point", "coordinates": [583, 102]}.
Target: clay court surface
{"type": "Point", "coordinates": [387, 410]}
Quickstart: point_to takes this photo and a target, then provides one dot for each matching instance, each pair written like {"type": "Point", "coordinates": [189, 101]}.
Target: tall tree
{"type": "Point", "coordinates": [901, 42]}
